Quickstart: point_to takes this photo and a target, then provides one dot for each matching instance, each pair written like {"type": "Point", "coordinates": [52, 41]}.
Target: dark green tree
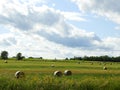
{"type": "Point", "coordinates": [4, 55]}
{"type": "Point", "coordinates": [19, 56]}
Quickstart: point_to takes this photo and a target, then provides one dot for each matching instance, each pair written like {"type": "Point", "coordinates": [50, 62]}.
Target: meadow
{"type": "Point", "coordinates": [39, 75]}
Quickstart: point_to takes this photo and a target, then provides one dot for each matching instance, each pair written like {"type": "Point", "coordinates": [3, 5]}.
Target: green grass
{"type": "Point", "coordinates": [39, 75]}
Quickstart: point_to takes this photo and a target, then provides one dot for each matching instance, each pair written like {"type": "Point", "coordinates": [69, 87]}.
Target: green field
{"type": "Point", "coordinates": [39, 75]}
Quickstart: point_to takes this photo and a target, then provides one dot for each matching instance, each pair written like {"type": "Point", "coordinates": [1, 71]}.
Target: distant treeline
{"type": "Point", "coordinates": [98, 58]}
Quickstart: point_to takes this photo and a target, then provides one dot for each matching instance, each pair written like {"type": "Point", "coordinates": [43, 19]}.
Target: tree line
{"type": "Point", "coordinates": [105, 58]}
{"type": "Point", "coordinates": [4, 55]}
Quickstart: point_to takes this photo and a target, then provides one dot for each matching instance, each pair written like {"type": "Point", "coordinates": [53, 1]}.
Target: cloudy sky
{"type": "Point", "coordinates": [60, 28]}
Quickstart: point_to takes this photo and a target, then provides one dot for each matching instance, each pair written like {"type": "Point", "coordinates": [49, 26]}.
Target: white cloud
{"type": "Point", "coordinates": [109, 9]}
{"type": "Point", "coordinates": [112, 42]}
{"type": "Point", "coordinates": [49, 24]}
{"type": "Point", "coordinates": [74, 16]}
{"type": "Point", "coordinates": [16, 19]}
{"type": "Point", "coordinates": [7, 40]}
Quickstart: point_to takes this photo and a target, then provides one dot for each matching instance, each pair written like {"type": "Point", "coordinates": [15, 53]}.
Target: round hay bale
{"type": "Point", "coordinates": [91, 63]}
{"type": "Point", "coordinates": [104, 64]}
{"type": "Point", "coordinates": [5, 61]}
{"type": "Point", "coordinates": [58, 73]}
{"type": "Point", "coordinates": [104, 68]}
{"type": "Point", "coordinates": [19, 74]}
{"type": "Point", "coordinates": [67, 73]}
{"type": "Point", "coordinates": [52, 65]}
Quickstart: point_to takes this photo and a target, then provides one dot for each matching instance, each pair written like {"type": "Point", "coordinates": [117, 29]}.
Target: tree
{"type": "Point", "coordinates": [66, 58]}
{"type": "Point", "coordinates": [4, 55]}
{"type": "Point", "coordinates": [19, 56]}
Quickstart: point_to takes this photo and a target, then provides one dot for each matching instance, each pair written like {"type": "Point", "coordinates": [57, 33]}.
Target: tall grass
{"type": "Point", "coordinates": [48, 82]}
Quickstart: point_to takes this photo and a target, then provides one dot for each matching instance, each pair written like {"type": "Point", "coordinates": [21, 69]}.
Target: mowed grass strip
{"type": "Point", "coordinates": [45, 67]}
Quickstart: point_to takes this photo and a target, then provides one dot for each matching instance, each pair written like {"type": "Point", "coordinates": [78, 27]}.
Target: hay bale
{"type": "Point", "coordinates": [110, 63]}
{"type": "Point", "coordinates": [104, 68]}
{"type": "Point", "coordinates": [92, 63]}
{"type": "Point", "coordinates": [19, 74]}
{"type": "Point", "coordinates": [58, 73]}
{"type": "Point", "coordinates": [67, 73]}
{"type": "Point", "coordinates": [104, 64]}
{"type": "Point", "coordinates": [5, 61]}
{"type": "Point", "coordinates": [52, 65]}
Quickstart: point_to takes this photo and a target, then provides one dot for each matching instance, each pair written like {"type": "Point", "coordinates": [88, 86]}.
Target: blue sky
{"type": "Point", "coordinates": [60, 28]}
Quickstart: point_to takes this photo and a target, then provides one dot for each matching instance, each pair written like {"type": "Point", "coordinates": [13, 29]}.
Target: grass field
{"type": "Point", "coordinates": [39, 75]}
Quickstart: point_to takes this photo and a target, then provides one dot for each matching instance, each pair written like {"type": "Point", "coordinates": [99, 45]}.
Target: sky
{"type": "Point", "coordinates": [60, 28]}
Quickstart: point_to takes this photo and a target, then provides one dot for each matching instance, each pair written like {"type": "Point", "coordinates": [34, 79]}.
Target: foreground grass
{"type": "Point", "coordinates": [59, 83]}
{"type": "Point", "coordinates": [39, 76]}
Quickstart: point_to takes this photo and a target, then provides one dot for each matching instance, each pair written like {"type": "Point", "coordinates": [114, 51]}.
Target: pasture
{"type": "Point", "coordinates": [39, 75]}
